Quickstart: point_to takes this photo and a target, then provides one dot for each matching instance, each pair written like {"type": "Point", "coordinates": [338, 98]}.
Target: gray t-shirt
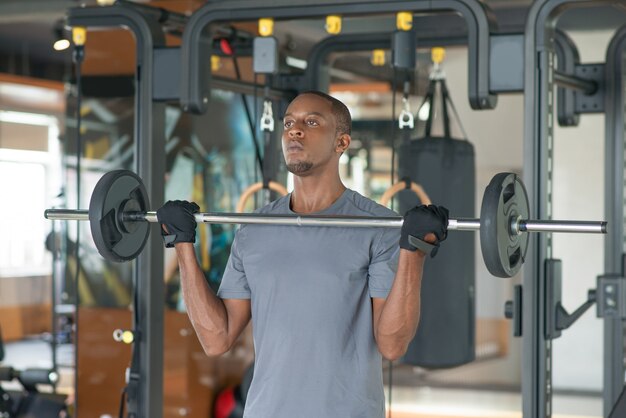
{"type": "Point", "coordinates": [310, 291]}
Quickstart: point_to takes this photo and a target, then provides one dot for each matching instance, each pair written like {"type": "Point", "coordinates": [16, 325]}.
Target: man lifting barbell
{"type": "Point", "coordinates": [325, 303]}
{"type": "Point", "coordinates": [319, 330]}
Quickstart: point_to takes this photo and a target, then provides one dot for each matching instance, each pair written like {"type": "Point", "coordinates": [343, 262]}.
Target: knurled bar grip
{"type": "Point", "coordinates": [467, 224]}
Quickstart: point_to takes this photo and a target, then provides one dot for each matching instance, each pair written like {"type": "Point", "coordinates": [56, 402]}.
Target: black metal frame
{"type": "Point", "coordinates": [195, 81]}
{"type": "Point", "coordinates": [614, 245]}
{"type": "Point", "coordinates": [538, 139]}
{"type": "Point", "coordinates": [538, 83]}
{"type": "Point", "coordinates": [567, 60]}
{"type": "Point", "coordinates": [149, 131]}
{"type": "Point", "coordinates": [359, 42]}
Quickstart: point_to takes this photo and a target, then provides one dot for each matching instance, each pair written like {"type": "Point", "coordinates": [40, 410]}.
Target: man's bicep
{"type": "Point", "coordinates": [239, 313]}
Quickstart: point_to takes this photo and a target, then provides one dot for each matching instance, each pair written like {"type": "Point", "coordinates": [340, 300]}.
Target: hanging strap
{"type": "Point", "coordinates": [445, 98]}
{"type": "Point", "coordinates": [445, 102]}
{"type": "Point", "coordinates": [449, 102]}
{"type": "Point", "coordinates": [430, 99]}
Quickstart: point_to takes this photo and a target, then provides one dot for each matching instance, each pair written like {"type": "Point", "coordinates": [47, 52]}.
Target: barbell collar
{"type": "Point", "coordinates": [593, 227]}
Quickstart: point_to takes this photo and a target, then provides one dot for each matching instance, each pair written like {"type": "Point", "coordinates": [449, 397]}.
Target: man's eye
{"type": "Point", "coordinates": [312, 122]}
{"type": "Point", "coordinates": [288, 124]}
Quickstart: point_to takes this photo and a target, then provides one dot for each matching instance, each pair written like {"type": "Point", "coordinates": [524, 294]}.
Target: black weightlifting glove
{"type": "Point", "coordinates": [421, 221]}
{"type": "Point", "coordinates": [177, 217]}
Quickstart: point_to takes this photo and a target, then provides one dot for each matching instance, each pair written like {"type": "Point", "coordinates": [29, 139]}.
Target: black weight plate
{"type": "Point", "coordinates": [117, 240]}
{"type": "Point", "coordinates": [504, 201]}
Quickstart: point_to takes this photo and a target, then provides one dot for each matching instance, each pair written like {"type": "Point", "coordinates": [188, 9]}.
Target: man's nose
{"type": "Point", "coordinates": [295, 132]}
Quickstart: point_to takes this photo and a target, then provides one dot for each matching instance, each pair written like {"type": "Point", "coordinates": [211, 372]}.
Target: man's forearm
{"type": "Point", "coordinates": [206, 311]}
{"type": "Point", "coordinates": [399, 316]}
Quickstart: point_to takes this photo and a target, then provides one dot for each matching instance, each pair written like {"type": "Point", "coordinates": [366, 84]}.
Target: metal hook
{"type": "Point", "coordinates": [406, 117]}
{"type": "Point", "coordinates": [267, 119]}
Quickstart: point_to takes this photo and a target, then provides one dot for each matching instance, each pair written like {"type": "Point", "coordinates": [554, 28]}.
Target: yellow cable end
{"type": "Point", "coordinates": [438, 54]}
{"type": "Point", "coordinates": [266, 26]}
{"type": "Point", "coordinates": [216, 63]}
{"type": "Point", "coordinates": [79, 35]}
{"type": "Point", "coordinates": [378, 57]}
{"type": "Point", "coordinates": [404, 21]}
{"type": "Point", "coordinates": [333, 24]}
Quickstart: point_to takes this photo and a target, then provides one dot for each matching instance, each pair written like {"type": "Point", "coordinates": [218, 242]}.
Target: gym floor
{"type": "Point", "coordinates": [415, 401]}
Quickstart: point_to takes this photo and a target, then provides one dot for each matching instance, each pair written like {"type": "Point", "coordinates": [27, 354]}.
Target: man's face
{"type": "Point", "coordinates": [309, 136]}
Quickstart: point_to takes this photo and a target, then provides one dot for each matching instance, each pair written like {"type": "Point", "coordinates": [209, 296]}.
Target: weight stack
{"type": "Point", "coordinates": [445, 168]}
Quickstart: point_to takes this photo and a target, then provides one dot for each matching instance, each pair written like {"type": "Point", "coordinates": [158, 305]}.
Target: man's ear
{"type": "Point", "coordinates": [343, 143]}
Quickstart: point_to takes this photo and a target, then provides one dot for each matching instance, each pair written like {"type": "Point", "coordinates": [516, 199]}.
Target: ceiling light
{"type": "Point", "coordinates": [61, 41]}
{"type": "Point", "coordinates": [61, 44]}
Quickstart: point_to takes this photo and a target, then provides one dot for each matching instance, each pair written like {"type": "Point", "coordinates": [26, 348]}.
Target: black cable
{"type": "Point", "coordinates": [394, 83]}
{"type": "Point", "coordinates": [393, 127]}
{"type": "Point", "coordinates": [256, 119]}
{"type": "Point", "coordinates": [249, 116]}
{"type": "Point", "coordinates": [53, 296]}
{"type": "Point", "coordinates": [78, 55]}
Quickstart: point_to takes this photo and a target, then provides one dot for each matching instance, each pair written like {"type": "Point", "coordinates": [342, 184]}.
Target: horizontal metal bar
{"type": "Point", "coordinates": [591, 227]}
{"type": "Point", "coordinates": [66, 215]}
{"type": "Point", "coordinates": [464, 224]}
{"type": "Point", "coordinates": [248, 88]}
{"type": "Point", "coordinates": [588, 87]}
{"type": "Point", "coordinates": [594, 227]}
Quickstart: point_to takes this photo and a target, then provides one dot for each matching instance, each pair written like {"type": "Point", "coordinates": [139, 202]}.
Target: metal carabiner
{"type": "Point", "coordinates": [406, 118]}
{"type": "Point", "coordinates": [267, 119]}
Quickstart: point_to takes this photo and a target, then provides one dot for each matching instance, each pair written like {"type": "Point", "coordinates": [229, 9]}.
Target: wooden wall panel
{"type": "Point", "coordinates": [20, 321]}
{"type": "Point", "coordinates": [191, 379]}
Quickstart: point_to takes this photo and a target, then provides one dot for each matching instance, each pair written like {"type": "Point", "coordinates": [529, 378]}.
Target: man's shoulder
{"type": "Point", "coordinates": [277, 206]}
{"type": "Point", "coordinates": [367, 206]}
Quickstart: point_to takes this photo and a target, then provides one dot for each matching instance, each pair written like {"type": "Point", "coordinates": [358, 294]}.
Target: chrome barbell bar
{"type": "Point", "coordinates": [461, 224]}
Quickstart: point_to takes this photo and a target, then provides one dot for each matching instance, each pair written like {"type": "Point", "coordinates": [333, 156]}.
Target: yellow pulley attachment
{"type": "Point", "coordinates": [79, 35]}
{"type": "Point", "coordinates": [404, 21]}
{"type": "Point", "coordinates": [333, 24]}
{"type": "Point", "coordinates": [438, 54]}
{"type": "Point", "coordinates": [216, 63]}
{"type": "Point", "coordinates": [266, 26]}
{"type": "Point", "coordinates": [378, 57]}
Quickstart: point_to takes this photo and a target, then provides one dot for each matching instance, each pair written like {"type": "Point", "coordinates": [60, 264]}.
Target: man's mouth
{"type": "Point", "coordinates": [294, 147]}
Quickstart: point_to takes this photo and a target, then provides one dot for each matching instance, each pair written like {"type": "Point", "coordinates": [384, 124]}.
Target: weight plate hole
{"type": "Point", "coordinates": [515, 257]}
{"type": "Point", "coordinates": [109, 229]}
{"type": "Point", "coordinates": [508, 193]}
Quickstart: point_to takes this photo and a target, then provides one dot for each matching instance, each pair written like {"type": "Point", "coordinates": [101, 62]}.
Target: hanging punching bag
{"type": "Point", "coordinates": [445, 168]}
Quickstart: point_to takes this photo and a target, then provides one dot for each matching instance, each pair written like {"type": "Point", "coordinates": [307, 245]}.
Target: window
{"type": "Point", "coordinates": [29, 173]}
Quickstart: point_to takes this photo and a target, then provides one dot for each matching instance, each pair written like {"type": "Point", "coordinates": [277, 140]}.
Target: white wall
{"type": "Point", "coordinates": [497, 136]}
{"type": "Point", "coordinates": [578, 193]}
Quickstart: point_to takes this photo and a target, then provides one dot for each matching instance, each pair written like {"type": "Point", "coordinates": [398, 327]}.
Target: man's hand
{"type": "Point", "coordinates": [423, 225]}
{"type": "Point", "coordinates": [177, 221]}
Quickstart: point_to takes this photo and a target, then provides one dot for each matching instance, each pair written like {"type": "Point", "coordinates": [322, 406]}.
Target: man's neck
{"type": "Point", "coordinates": [314, 194]}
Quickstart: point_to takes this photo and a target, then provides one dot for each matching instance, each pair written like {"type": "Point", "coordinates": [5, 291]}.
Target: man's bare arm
{"type": "Point", "coordinates": [397, 316]}
{"type": "Point", "coordinates": [218, 322]}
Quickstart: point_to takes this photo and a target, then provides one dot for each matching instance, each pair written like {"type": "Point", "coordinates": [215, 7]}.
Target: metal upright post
{"type": "Point", "coordinates": [149, 132]}
{"type": "Point", "coordinates": [614, 210]}
{"type": "Point", "coordinates": [538, 148]}
{"type": "Point", "coordinates": [536, 349]}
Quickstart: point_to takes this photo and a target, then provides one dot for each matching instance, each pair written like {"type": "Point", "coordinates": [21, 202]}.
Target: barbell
{"type": "Point", "coordinates": [119, 220]}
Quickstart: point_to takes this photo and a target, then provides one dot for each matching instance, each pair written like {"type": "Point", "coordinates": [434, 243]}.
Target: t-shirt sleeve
{"type": "Point", "coordinates": [234, 283]}
{"type": "Point", "coordinates": [384, 263]}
